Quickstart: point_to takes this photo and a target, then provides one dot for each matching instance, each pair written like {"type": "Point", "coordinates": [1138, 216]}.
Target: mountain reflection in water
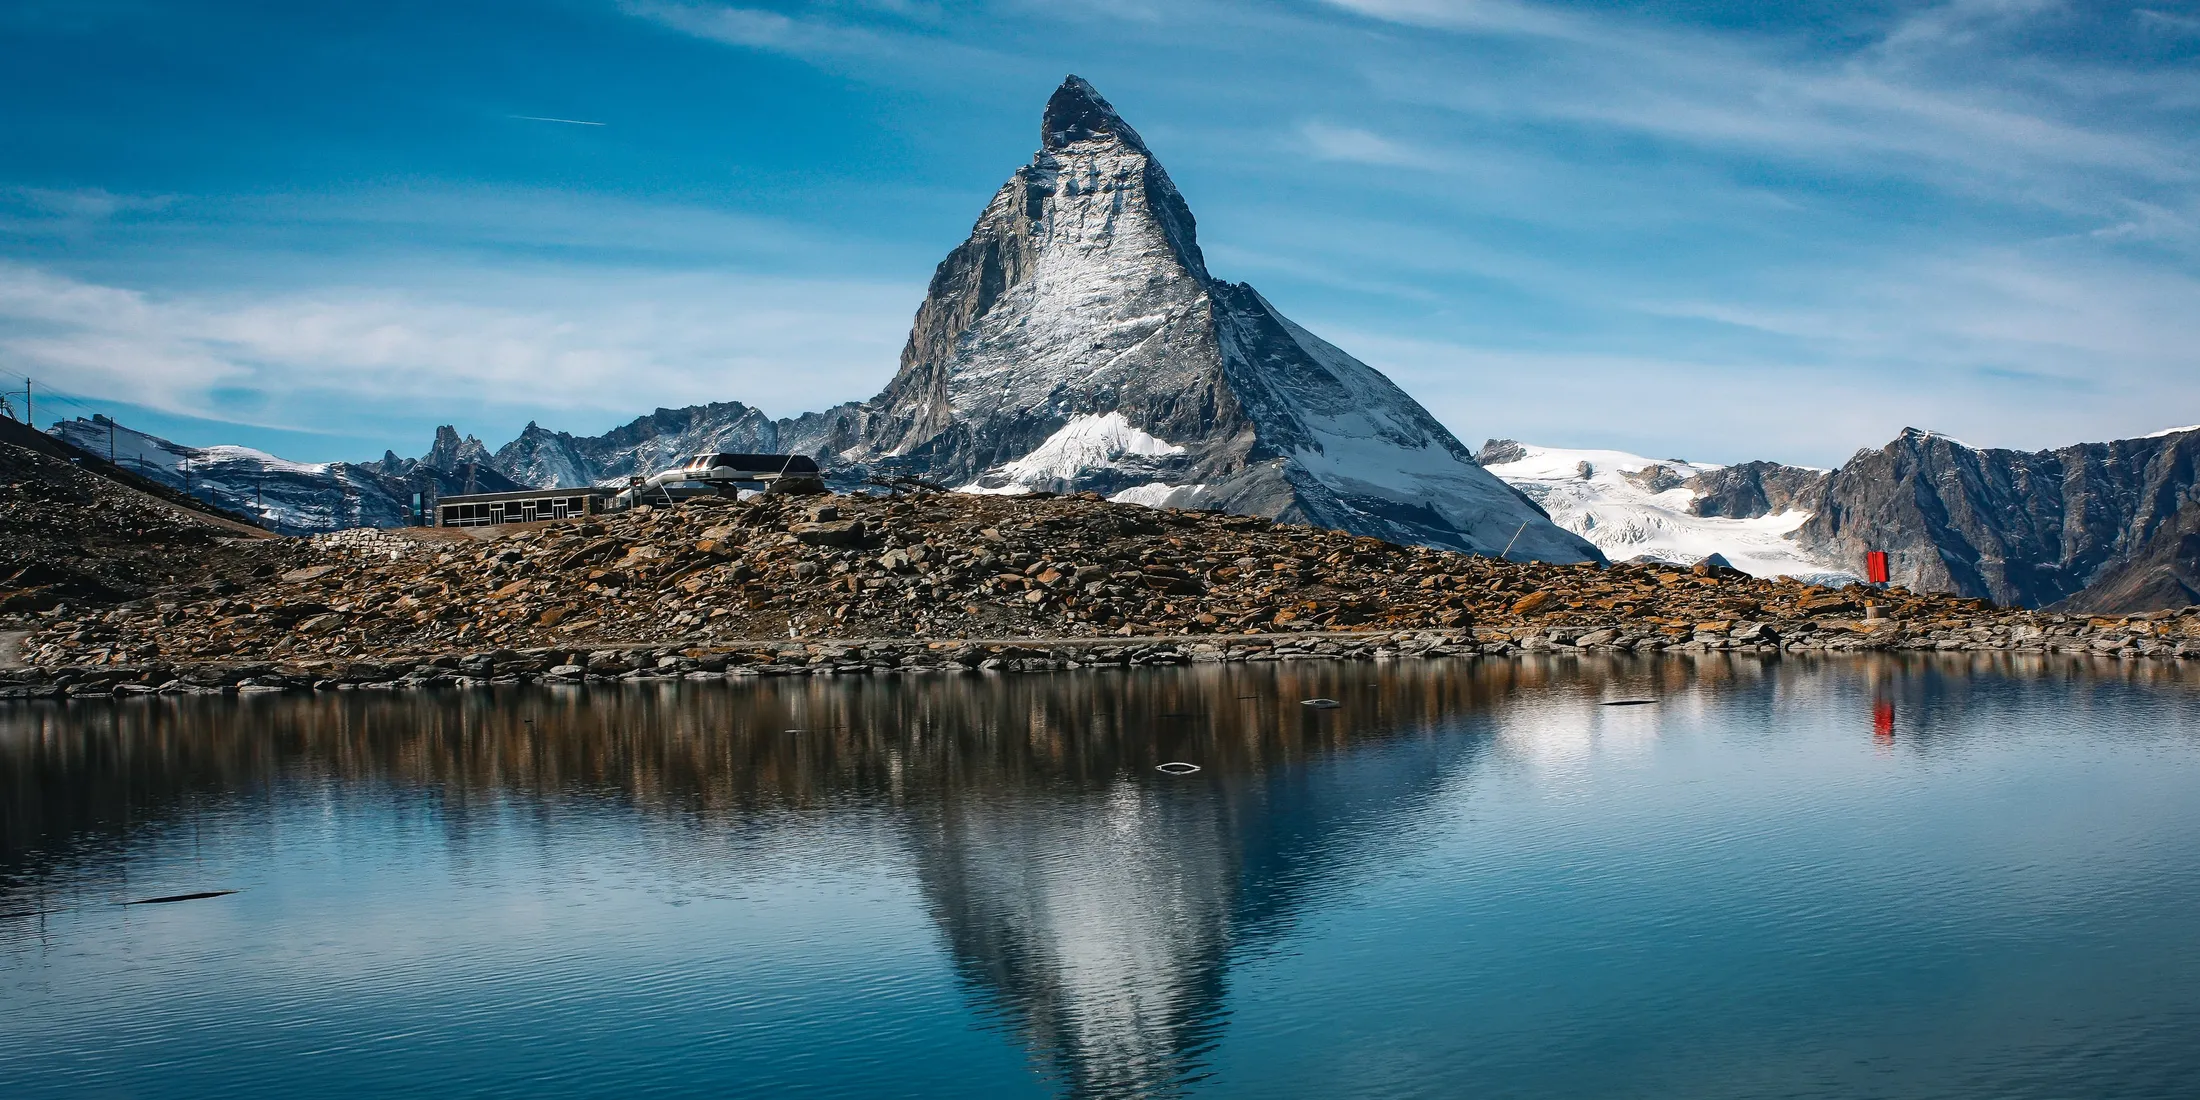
{"type": "Point", "coordinates": [1091, 906]}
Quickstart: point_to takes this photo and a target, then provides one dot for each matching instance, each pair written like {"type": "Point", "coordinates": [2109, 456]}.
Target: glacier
{"type": "Point", "coordinates": [1083, 446]}
{"type": "Point", "coordinates": [1634, 507]}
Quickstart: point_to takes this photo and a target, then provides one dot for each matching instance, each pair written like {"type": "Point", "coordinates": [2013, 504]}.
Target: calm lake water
{"type": "Point", "coordinates": [1867, 878]}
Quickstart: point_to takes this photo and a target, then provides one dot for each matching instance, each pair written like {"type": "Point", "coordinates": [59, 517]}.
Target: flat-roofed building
{"type": "Point", "coordinates": [526, 506]}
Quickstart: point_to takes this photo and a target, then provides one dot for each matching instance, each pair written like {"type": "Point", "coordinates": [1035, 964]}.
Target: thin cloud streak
{"type": "Point", "coordinates": [1703, 88]}
{"type": "Point", "coordinates": [561, 349]}
{"type": "Point", "coordinates": [567, 121]}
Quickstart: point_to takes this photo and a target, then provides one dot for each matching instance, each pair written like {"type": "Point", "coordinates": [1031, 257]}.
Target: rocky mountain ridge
{"type": "Point", "coordinates": [2026, 528]}
{"type": "Point", "coordinates": [294, 497]}
{"type": "Point", "coordinates": [2110, 527]}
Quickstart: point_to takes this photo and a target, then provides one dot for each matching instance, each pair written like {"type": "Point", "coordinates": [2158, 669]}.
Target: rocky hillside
{"type": "Point", "coordinates": [74, 535]}
{"type": "Point", "coordinates": [2029, 528]}
{"type": "Point", "coordinates": [2164, 571]}
{"type": "Point", "coordinates": [292, 497]}
{"type": "Point", "coordinates": [949, 566]}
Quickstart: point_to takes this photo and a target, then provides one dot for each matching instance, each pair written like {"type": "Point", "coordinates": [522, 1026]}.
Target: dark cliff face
{"type": "Point", "coordinates": [1753, 489]}
{"type": "Point", "coordinates": [1079, 292]}
{"type": "Point", "coordinates": [644, 445]}
{"type": "Point", "coordinates": [2017, 527]}
{"type": "Point", "coordinates": [2164, 572]}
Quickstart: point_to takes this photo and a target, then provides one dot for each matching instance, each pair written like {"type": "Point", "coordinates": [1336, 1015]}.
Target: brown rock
{"type": "Point", "coordinates": [1532, 602]}
{"type": "Point", "coordinates": [844, 532]}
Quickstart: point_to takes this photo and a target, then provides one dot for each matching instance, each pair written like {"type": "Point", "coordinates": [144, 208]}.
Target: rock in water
{"type": "Point", "coordinates": [1076, 342]}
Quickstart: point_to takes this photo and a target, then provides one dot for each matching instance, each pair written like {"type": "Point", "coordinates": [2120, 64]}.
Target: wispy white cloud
{"type": "Point", "coordinates": [1962, 23]}
{"type": "Point", "coordinates": [824, 33]}
{"type": "Point", "coordinates": [1700, 409]}
{"type": "Point", "coordinates": [1498, 16]}
{"type": "Point", "coordinates": [22, 205]}
{"type": "Point", "coordinates": [2052, 316]}
{"type": "Point", "coordinates": [544, 342]}
{"type": "Point", "coordinates": [755, 27]}
{"type": "Point", "coordinates": [2169, 21]}
{"type": "Point", "coordinates": [1703, 87]}
{"type": "Point", "coordinates": [1350, 143]}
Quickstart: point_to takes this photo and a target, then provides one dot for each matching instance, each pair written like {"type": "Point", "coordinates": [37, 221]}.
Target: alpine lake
{"type": "Point", "coordinates": [1718, 876]}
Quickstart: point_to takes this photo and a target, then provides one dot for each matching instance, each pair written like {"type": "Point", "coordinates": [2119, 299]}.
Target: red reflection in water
{"type": "Point", "coordinates": [1883, 720]}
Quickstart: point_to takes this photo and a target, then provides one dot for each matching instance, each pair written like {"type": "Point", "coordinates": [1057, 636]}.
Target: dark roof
{"type": "Point", "coordinates": [763, 464]}
{"type": "Point", "coordinates": [525, 494]}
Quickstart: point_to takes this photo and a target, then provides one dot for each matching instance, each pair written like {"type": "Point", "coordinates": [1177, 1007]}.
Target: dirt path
{"type": "Point", "coordinates": [11, 647]}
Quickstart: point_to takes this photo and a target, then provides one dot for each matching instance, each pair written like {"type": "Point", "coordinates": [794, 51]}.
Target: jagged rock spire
{"type": "Point", "coordinates": [1078, 112]}
{"type": "Point", "coordinates": [1076, 341]}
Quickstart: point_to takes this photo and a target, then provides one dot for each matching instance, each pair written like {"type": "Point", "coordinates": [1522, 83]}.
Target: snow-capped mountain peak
{"type": "Point", "coordinates": [1080, 311]}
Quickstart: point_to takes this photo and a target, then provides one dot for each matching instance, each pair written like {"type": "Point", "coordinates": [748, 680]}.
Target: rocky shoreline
{"type": "Point", "coordinates": [951, 581]}
{"type": "Point", "coordinates": [872, 657]}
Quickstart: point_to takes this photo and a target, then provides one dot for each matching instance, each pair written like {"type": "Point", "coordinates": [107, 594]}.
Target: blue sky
{"type": "Point", "coordinates": [1712, 230]}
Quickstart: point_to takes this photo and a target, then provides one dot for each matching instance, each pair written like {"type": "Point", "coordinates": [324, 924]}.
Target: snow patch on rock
{"type": "Point", "coordinates": [1156, 494]}
{"type": "Point", "coordinates": [1086, 444]}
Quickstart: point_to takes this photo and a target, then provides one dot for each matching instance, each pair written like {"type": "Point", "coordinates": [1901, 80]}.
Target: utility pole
{"type": "Point", "coordinates": [110, 441]}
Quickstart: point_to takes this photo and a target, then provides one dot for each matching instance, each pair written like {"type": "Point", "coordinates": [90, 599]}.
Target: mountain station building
{"type": "Point", "coordinates": [525, 506]}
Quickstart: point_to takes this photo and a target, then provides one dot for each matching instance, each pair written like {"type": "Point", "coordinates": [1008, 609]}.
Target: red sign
{"type": "Point", "coordinates": [1875, 567]}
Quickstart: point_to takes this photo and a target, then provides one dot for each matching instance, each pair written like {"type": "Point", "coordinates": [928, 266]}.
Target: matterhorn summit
{"type": "Point", "coordinates": [1077, 342]}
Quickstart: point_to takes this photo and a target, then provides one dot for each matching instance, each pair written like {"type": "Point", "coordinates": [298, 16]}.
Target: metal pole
{"type": "Point", "coordinates": [1509, 542]}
